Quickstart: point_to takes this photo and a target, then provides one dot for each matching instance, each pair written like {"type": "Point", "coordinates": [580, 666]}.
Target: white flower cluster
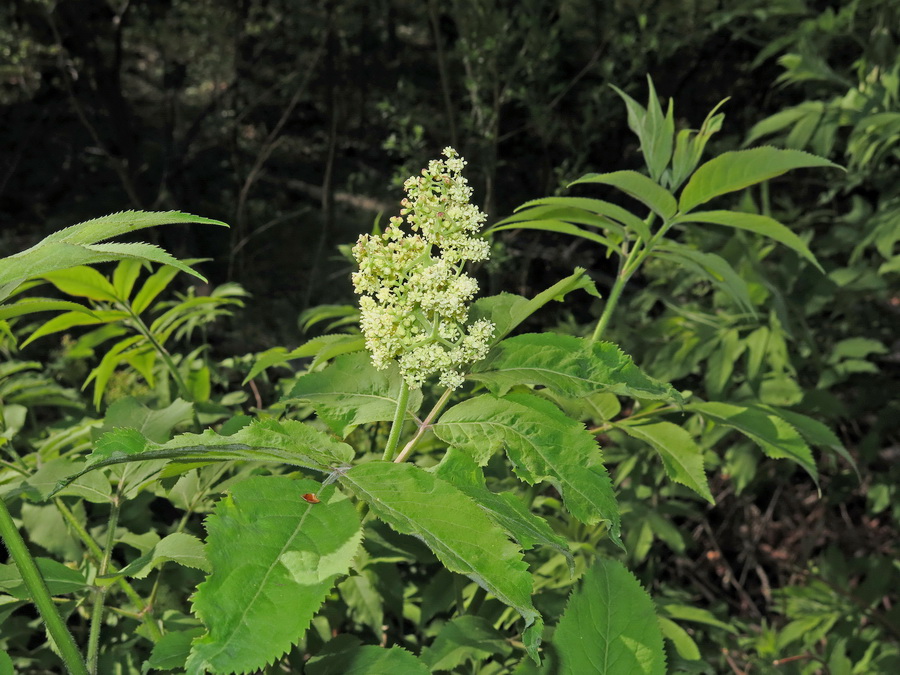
{"type": "Point", "coordinates": [415, 295]}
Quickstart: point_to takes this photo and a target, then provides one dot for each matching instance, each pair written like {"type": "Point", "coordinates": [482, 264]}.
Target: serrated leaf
{"type": "Point", "coordinates": [738, 169]}
{"type": "Point", "coordinates": [773, 435]}
{"type": "Point", "coordinates": [106, 227]}
{"type": "Point", "coordinates": [465, 540]}
{"type": "Point", "coordinates": [638, 186]}
{"type": "Point", "coordinates": [34, 305]}
{"type": "Point", "coordinates": [681, 456]}
{"type": "Point", "coordinates": [275, 557]}
{"type": "Point", "coordinates": [504, 508]}
{"type": "Point", "coordinates": [351, 391]}
{"type": "Point", "coordinates": [506, 310]}
{"type": "Point", "coordinates": [569, 366]}
{"type": "Point", "coordinates": [178, 547]}
{"type": "Point", "coordinates": [609, 626]}
{"type": "Point", "coordinates": [542, 443]}
{"type": "Point", "coordinates": [345, 656]}
{"type": "Point", "coordinates": [759, 224]}
{"type": "Point", "coordinates": [465, 639]}
{"type": "Point", "coordinates": [288, 442]}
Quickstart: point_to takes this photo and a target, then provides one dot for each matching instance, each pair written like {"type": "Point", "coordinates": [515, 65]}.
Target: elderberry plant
{"type": "Point", "coordinates": [281, 549]}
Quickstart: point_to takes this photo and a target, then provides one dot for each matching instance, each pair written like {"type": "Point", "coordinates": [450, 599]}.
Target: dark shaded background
{"type": "Point", "coordinates": [296, 122]}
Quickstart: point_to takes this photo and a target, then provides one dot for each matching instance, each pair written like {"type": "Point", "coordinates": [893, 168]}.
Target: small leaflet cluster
{"type": "Point", "coordinates": [414, 292]}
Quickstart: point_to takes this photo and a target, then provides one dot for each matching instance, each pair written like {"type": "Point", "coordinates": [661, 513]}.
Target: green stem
{"type": "Point", "coordinates": [39, 592]}
{"type": "Point", "coordinates": [477, 599]}
{"type": "Point", "coordinates": [424, 425]}
{"type": "Point", "coordinates": [397, 424]}
{"type": "Point", "coordinates": [162, 351]}
{"type": "Point", "coordinates": [97, 553]}
{"type": "Point", "coordinates": [93, 649]}
{"type": "Point", "coordinates": [610, 307]}
{"type": "Point", "coordinates": [627, 267]}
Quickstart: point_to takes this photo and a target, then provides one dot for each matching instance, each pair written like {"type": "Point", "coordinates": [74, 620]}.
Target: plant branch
{"type": "Point", "coordinates": [37, 589]}
{"type": "Point", "coordinates": [397, 424]}
{"type": "Point", "coordinates": [93, 649]}
{"type": "Point", "coordinates": [97, 553]}
{"type": "Point", "coordinates": [424, 425]}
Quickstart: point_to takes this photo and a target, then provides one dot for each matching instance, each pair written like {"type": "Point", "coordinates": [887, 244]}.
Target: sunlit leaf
{"type": "Point", "coordinates": [274, 558]}
{"type": "Point", "coordinates": [351, 391]}
{"type": "Point", "coordinates": [609, 626]}
{"type": "Point", "coordinates": [542, 443]}
{"type": "Point", "coordinates": [464, 539]}
{"type": "Point", "coordinates": [736, 170]}
{"type": "Point", "coordinates": [638, 186]}
{"type": "Point", "coordinates": [568, 365]}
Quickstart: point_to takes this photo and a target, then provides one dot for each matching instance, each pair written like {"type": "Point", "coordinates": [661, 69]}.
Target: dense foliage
{"type": "Point", "coordinates": [675, 396]}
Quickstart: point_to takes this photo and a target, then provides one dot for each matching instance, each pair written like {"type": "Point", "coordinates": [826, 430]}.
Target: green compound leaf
{"type": "Point", "coordinates": [77, 245]}
{"type": "Point", "coordinates": [414, 501]}
{"type": "Point", "coordinates": [569, 366]}
{"type": "Point", "coordinates": [507, 310]}
{"type": "Point", "coordinates": [105, 227]}
{"type": "Point", "coordinates": [732, 171]}
{"type": "Point", "coordinates": [543, 444]}
{"type": "Point", "coordinates": [288, 442]}
{"type": "Point", "coordinates": [638, 186]}
{"type": "Point", "coordinates": [776, 437]}
{"type": "Point", "coordinates": [465, 639]}
{"type": "Point", "coordinates": [609, 626]}
{"type": "Point", "coordinates": [505, 508]}
{"type": "Point", "coordinates": [759, 224]}
{"type": "Point", "coordinates": [681, 456]}
{"type": "Point", "coordinates": [350, 391]}
{"type": "Point", "coordinates": [178, 547]}
{"type": "Point", "coordinates": [344, 655]}
{"type": "Point", "coordinates": [275, 557]}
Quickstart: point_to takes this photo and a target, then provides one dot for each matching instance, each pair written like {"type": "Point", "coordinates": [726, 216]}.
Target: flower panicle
{"type": "Point", "coordinates": [414, 293]}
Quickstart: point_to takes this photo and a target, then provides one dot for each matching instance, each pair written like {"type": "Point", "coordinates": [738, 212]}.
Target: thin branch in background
{"type": "Point", "coordinates": [442, 70]}
{"type": "Point", "coordinates": [269, 145]}
{"type": "Point", "coordinates": [328, 178]}
{"type": "Point", "coordinates": [116, 163]}
{"type": "Point", "coordinates": [559, 97]}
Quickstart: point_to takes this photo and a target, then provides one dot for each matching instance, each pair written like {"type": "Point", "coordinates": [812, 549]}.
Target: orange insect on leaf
{"type": "Point", "coordinates": [311, 498]}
